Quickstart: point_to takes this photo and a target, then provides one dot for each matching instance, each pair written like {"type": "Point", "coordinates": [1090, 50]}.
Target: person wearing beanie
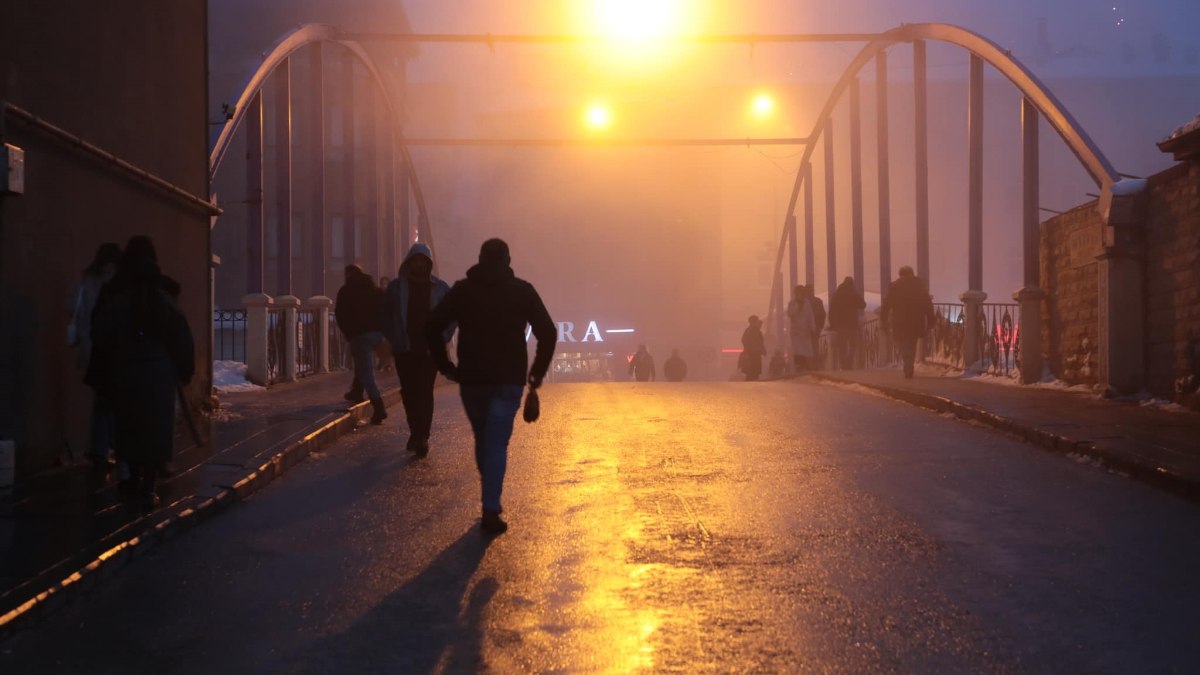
{"type": "Point", "coordinates": [492, 308]}
{"type": "Point", "coordinates": [411, 298]}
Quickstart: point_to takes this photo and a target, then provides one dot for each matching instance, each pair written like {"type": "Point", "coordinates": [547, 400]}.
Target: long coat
{"type": "Point", "coordinates": [803, 328]}
{"type": "Point", "coordinates": [908, 308]}
{"type": "Point", "coordinates": [753, 351]}
{"type": "Point", "coordinates": [142, 349]}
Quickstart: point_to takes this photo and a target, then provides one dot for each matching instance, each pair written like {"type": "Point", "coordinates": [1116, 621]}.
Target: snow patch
{"type": "Point", "coordinates": [1127, 187]}
{"type": "Point", "coordinates": [1185, 129]}
{"type": "Point", "coordinates": [230, 376]}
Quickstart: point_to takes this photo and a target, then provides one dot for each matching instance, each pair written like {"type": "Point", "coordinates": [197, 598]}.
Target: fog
{"type": "Point", "coordinates": [679, 243]}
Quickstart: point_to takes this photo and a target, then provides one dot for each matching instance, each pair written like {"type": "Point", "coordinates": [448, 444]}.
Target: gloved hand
{"type": "Point", "coordinates": [534, 381]}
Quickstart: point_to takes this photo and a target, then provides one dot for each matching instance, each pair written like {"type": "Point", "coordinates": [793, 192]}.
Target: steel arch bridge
{"type": "Point", "coordinates": [1038, 101]}
{"type": "Point", "coordinates": [248, 112]}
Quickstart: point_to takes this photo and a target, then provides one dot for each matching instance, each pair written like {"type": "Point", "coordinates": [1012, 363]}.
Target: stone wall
{"type": "Point", "coordinates": [1070, 243]}
{"type": "Point", "coordinates": [1173, 284]}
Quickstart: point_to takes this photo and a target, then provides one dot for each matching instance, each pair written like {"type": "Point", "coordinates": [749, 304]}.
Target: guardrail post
{"type": "Point", "coordinates": [289, 304]}
{"type": "Point", "coordinates": [320, 306]}
{"type": "Point", "coordinates": [258, 307]}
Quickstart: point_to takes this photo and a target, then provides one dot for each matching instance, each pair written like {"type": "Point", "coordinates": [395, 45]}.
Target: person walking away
{"type": "Point", "coordinates": [754, 348]}
{"type": "Point", "coordinates": [642, 365]}
{"type": "Point", "coordinates": [492, 307]}
{"type": "Point", "coordinates": [907, 313]}
{"type": "Point", "coordinates": [142, 350]}
{"type": "Point", "coordinates": [844, 310]}
{"type": "Point", "coordinates": [802, 327]}
{"type": "Point", "coordinates": [357, 311]}
{"type": "Point", "coordinates": [411, 298]}
{"type": "Point", "coordinates": [79, 335]}
{"type": "Point", "coordinates": [675, 367]}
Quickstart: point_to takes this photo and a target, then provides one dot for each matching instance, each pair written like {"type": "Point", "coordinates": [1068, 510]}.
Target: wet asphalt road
{"type": "Point", "coordinates": [709, 527]}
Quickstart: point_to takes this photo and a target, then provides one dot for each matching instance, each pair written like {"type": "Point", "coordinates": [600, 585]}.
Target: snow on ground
{"type": "Point", "coordinates": [230, 376]}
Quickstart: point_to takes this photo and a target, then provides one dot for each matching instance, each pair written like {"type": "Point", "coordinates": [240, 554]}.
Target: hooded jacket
{"type": "Point", "coordinates": [492, 307]}
{"type": "Point", "coordinates": [395, 304]}
{"type": "Point", "coordinates": [356, 309]}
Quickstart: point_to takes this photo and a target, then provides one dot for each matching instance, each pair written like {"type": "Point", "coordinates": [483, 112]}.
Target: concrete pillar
{"type": "Point", "coordinates": [320, 305]}
{"type": "Point", "coordinates": [1030, 296]}
{"type": "Point", "coordinates": [288, 359]}
{"type": "Point", "coordinates": [1121, 271]}
{"type": "Point", "coordinates": [972, 321]}
{"type": "Point", "coordinates": [258, 307]}
{"type": "Point", "coordinates": [1030, 332]}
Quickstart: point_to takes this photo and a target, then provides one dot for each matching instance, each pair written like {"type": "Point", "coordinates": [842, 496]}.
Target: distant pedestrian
{"type": "Point", "coordinates": [411, 298]}
{"type": "Point", "coordinates": [845, 308]}
{"type": "Point", "coordinates": [675, 368]}
{"type": "Point", "coordinates": [142, 351]}
{"type": "Point", "coordinates": [818, 307]}
{"type": "Point", "coordinates": [79, 335]}
{"type": "Point", "coordinates": [907, 313]}
{"type": "Point", "coordinates": [778, 364]}
{"type": "Point", "coordinates": [753, 349]}
{"type": "Point", "coordinates": [492, 308]}
{"type": "Point", "coordinates": [642, 365]}
{"type": "Point", "coordinates": [358, 317]}
{"type": "Point", "coordinates": [802, 329]}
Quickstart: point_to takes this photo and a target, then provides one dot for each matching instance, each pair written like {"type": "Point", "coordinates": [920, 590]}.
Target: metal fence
{"type": "Point", "coordinates": [339, 349]}
{"type": "Point", "coordinates": [275, 343]}
{"type": "Point", "coordinates": [307, 344]}
{"type": "Point", "coordinates": [999, 338]}
{"type": "Point", "coordinates": [229, 335]}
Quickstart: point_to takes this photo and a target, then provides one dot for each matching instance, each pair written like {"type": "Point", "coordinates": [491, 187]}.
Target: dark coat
{"type": "Point", "coordinates": [754, 348]}
{"type": "Point", "coordinates": [492, 308]}
{"type": "Point", "coordinates": [845, 306]}
{"type": "Point", "coordinates": [358, 307]}
{"type": "Point", "coordinates": [142, 350]}
{"type": "Point", "coordinates": [908, 307]}
{"type": "Point", "coordinates": [641, 366]}
{"type": "Point", "coordinates": [675, 369]}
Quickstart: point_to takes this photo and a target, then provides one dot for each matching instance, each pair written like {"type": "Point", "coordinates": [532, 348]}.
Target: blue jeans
{"type": "Point", "coordinates": [491, 409]}
{"type": "Point", "coordinates": [362, 348]}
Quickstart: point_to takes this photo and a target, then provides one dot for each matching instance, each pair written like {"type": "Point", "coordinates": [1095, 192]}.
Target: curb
{"type": "Point", "coordinates": [1156, 476]}
{"type": "Point", "coordinates": [155, 528]}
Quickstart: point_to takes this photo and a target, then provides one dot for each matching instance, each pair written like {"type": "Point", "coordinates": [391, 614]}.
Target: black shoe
{"type": "Point", "coordinates": [354, 396]}
{"type": "Point", "coordinates": [380, 412]}
{"type": "Point", "coordinates": [492, 524]}
{"type": "Point", "coordinates": [421, 447]}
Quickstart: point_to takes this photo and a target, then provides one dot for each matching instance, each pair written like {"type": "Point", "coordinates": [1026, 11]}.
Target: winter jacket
{"type": "Point", "coordinates": [492, 307]}
{"type": "Point", "coordinates": [357, 308]}
{"type": "Point", "coordinates": [395, 305]}
{"type": "Point", "coordinates": [908, 307]}
{"type": "Point", "coordinates": [641, 366]}
{"type": "Point", "coordinates": [753, 350]}
{"type": "Point", "coordinates": [844, 307]}
{"type": "Point", "coordinates": [83, 303]}
{"type": "Point", "coordinates": [675, 369]}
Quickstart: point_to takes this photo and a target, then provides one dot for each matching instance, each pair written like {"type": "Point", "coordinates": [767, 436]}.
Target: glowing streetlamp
{"type": "Point", "coordinates": [597, 117]}
{"type": "Point", "coordinates": [763, 106]}
{"type": "Point", "coordinates": [636, 19]}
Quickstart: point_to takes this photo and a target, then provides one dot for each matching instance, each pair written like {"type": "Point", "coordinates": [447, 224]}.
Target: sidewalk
{"type": "Point", "coordinates": [1156, 446]}
{"type": "Point", "coordinates": [66, 530]}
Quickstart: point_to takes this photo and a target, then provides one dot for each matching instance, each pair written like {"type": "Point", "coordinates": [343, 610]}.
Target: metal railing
{"type": "Point", "coordinates": [275, 344]}
{"type": "Point", "coordinates": [229, 335]}
{"type": "Point", "coordinates": [999, 338]}
{"type": "Point", "coordinates": [339, 348]}
{"type": "Point", "coordinates": [307, 343]}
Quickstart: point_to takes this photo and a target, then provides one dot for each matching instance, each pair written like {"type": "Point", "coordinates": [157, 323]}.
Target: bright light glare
{"type": "Point", "coordinates": [598, 116]}
{"type": "Point", "coordinates": [636, 19]}
{"type": "Point", "coordinates": [763, 106]}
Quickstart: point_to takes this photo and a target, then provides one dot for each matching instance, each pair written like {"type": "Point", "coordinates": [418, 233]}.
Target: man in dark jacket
{"type": "Point", "coordinates": [907, 312]}
{"type": "Point", "coordinates": [844, 309]}
{"type": "Point", "coordinates": [357, 314]}
{"type": "Point", "coordinates": [641, 366]}
{"type": "Point", "coordinates": [411, 297]}
{"type": "Point", "coordinates": [492, 308]}
{"type": "Point", "coordinates": [675, 367]}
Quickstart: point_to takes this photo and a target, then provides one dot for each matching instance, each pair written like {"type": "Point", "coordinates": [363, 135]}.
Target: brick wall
{"type": "Point", "coordinates": [1173, 284]}
{"type": "Point", "coordinates": [1070, 243]}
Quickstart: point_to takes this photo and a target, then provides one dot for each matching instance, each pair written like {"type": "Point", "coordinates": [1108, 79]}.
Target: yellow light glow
{"type": "Point", "coordinates": [636, 19]}
{"type": "Point", "coordinates": [763, 106]}
{"type": "Point", "coordinates": [598, 116]}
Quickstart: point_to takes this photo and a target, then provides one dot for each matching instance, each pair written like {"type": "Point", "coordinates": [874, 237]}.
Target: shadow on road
{"type": "Point", "coordinates": [422, 627]}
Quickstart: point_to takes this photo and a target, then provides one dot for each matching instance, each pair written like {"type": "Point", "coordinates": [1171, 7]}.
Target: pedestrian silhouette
{"type": "Point", "coordinates": [802, 328]}
{"type": "Point", "coordinates": [753, 349]}
{"type": "Point", "coordinates": [642, 365]}
{"type": "Point", "coordinates": [79, 335]}
{"type": "Point", "coordinates": [907, 313]}
{"type": "Point", "coordinates": [492, 307]}
{"type": "Point", "coordinates": [411, 298]}
{"type": "Point", "coordinates": [675, 368]}
{"type": "Point", "coordinates": [845, 308]}
{"type": "Point", "coordinates": [142, 350]}
{"type": "Point", "coordinates": [357, 311]}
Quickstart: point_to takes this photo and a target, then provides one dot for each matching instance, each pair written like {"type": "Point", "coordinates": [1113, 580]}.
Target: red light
{"type": "Point", "coordinates": [731, 350]}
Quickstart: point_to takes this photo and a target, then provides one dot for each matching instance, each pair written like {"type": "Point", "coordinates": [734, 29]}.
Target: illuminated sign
{"type": "Point", "coordinates": [566, 332]}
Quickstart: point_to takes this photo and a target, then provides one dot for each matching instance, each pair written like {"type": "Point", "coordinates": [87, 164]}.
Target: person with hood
{"type": "Point", "coordinates": [802, 328]}
{"type": "Point", "coordinates": [844, 309]}
{"type": "Point", "coordinates": [907, 313]}
{"type": "Point", "coordinates": [411, 298]}
{"type": "Point", "coordinates": [79, 335]}
{"type": "Point", "coordinates": [754, 348]}
{"type": "Point", "coordinates": [357, 311]}
{"type": "Point", "coordinates": [641, 366]}
{"type": "Point", "coordinates": [675, 367]}
{"type": "Point", "coordinates": [142, 350]}
{"type": "Point", "coordinates": [492, 307]}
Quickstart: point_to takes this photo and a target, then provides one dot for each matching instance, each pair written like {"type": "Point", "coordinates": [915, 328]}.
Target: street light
{"type": "Point", "coordinates": [636, 19]}
{"type": "Point", "coordinates": [763, 105]}
{"type": "Point", "coordinates": [598, 116]}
